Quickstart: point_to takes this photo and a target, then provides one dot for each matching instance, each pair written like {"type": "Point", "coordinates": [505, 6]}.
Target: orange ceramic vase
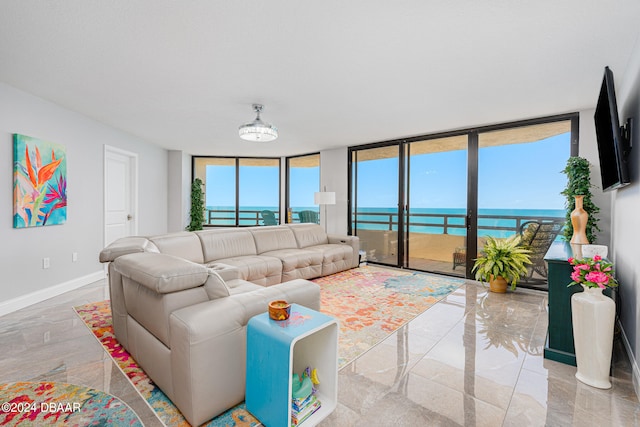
{"type": "Point", "coordinates": [579, 218]}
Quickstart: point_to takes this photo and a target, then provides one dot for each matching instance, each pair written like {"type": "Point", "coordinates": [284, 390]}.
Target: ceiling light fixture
{"type": "Point", "coordinates": [258, 130]}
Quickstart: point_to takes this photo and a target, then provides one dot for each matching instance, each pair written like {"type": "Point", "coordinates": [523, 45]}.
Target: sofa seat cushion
{"type": "Point", "coordinates": [239, 286]}
{"type": "Point", "coordinates": [259, 269]}
{"type": "Point", "coordinates": [298, 263]}
{"type": "Point", "coordinates": [335, 257]}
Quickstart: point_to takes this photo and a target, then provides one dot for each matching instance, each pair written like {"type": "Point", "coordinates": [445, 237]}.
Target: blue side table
{"type": "Point", "coordinates": [277, 349]}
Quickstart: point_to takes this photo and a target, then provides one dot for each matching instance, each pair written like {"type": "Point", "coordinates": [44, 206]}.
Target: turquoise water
{"type": "Point", "coordinates": [421, 220]}
{"type": "Point", "coordinates": [432, 221]}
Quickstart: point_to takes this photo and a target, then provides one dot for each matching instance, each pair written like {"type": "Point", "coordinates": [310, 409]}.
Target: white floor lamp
{"type": "Point", "coordinates": [324, 198]}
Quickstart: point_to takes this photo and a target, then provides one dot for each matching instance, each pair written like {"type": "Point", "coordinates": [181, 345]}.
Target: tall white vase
{"type": "Point", "coordinates": [593, 315]}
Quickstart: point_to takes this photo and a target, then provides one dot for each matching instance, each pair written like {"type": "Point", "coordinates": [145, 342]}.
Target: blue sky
{"type": "Point", "coordinates": [516, 176]}
{"type": "Point", "coordinates": [259, 186]}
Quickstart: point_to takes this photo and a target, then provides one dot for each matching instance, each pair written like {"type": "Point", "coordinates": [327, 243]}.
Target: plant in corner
{"type": "Point", "coordinates": [502, 261]}
{"type": "Point", "coordinates": [197, 206]}
{"type": "Point", "coordinates": [579, 183]}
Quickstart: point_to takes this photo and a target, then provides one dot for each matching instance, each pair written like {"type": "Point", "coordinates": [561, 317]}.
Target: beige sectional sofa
{"type": "Point", "coordinates": [181, 301]}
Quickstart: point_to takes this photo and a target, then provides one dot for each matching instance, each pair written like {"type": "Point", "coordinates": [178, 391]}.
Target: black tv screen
{"type": "Point", "coordinates": [613, 145]}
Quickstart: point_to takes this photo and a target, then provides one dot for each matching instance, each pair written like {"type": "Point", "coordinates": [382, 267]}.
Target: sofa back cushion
{"type": "Point", "coordinates": [308, 234]}
{"type": "Point", "coordinates": [183, 244]}
{"type": "Point", "coordinates": [273, 238]}
{"type": "Point", "coordinates": [226, 243]}
{"type": "Point", "coordinates": [126, 245]}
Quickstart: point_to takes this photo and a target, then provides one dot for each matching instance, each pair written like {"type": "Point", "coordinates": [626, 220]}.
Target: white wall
{"type": "Point", "coordinates": [626, 208]}
{"type": "Point", "coordinates": [333, 176]}
{"type": "Point", "coordinates": [24, 281]}
{"type": "Point", "coordinates": [179, 188]}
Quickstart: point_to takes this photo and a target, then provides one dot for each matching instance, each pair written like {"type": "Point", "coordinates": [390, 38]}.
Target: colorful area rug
{"type": "Point", "coordinates": [372, 302]}
{"type": "Point", "coordinates": [55, 404]}
{"type": "Point", "coordinates": [369, 302]}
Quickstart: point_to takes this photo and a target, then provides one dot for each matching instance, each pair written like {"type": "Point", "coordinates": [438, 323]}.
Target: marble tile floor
{"type": "Point", "coordinates": [473, 359]}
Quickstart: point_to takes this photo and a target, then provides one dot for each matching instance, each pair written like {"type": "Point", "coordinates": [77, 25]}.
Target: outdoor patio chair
{"type": "Point", "coordinates": [268, 217]}
{"type": "Point", "coordinates": [308, 216]}
{"type": "Point", "coordinates": [459, 256]}
{"type": "Point", "coordinates": [538, 236]}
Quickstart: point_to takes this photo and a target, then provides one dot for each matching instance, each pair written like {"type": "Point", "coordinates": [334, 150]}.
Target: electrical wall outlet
{"type": "Point", "coordinates": [74, 257]}
{"type": "Point", "coordinates": [45, 263]}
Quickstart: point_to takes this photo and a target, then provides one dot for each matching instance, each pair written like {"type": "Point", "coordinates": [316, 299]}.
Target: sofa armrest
{"type": "Point", "coordinates": [161, 273]}
{"type": "Point", "coordinates": [353, 241]}
{"type": "Point", "coordinates": [208, 347]}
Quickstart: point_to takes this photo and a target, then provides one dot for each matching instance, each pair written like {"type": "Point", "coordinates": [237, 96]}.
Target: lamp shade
{"type": "Point", "coordinates": [324, 198]}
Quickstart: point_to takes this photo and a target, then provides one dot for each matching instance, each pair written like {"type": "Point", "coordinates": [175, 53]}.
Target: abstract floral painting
{"type": "Point", "coordinates": [39, 182]}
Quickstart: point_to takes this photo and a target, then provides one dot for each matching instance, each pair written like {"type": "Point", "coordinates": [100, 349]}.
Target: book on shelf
{"type": "Point", "coordinates": [299, 404]}
{"type": "Point", "coordinates": [297, 417]}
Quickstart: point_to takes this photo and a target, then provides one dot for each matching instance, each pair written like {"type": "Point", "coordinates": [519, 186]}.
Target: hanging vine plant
{"type": "Point", "coordinates": [579, 183]}
{"type": "Point", "coordinates": [197, 206]}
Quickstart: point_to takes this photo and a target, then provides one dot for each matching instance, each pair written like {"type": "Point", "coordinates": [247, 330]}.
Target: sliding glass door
{"type": "Point", "coordinates": [429, 203]}
{"type": "Point", "coordinates": [436, 204]}
{"type": "Point", "coordinates": [259, 190]}
{"type": "Point", "coordinates": [375, 207]}
{"type": "Point", "coordinates": [303, 181]}
{"type": "Point", "coordinates": [519, 184]}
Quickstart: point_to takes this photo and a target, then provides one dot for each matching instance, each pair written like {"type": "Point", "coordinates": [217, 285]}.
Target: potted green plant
{"type": "Point", "coordinates": [502, 261]}
{"type": "Point", "coordinates": [579, 184]}
{"type": "Point", "coordinates": [196, 213]}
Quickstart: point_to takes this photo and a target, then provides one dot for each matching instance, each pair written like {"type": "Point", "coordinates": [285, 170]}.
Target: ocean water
{"type": "Point", "coordinates": [492, 222]}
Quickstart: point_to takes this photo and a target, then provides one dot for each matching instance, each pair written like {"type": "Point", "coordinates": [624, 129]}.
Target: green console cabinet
{"type": "Point", "coordinates": [559, 345]}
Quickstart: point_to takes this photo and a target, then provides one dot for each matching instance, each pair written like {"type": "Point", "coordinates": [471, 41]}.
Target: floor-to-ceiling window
{"type": "Point", "coordinates": [436, 202]}
{"type": "Point", "coordinates": [239, 191]}
{"type": "Point", "coordinates": [374, 202]}
{"type": "Point", "coordinates": [303, 181]}
{"type": "Point", "coordinates": [519, 181]}
{"type": "Point", "coordinates": [429, 202]}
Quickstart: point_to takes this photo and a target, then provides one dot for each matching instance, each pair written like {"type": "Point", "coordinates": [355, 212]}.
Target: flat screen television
{"type": "Point", "coordinates": [613, 141]}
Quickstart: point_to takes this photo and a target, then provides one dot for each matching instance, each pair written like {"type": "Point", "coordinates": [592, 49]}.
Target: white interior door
{"type": "Point", "coordinates": [120, 193]}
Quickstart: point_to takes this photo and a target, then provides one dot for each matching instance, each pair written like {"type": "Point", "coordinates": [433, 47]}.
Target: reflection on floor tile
{"type": "Point", "coordinates": [48, 342]}
{"type": "Point", "coordinates": [481, 365]}
{"type": "Point", "coordinates": [473, 359]}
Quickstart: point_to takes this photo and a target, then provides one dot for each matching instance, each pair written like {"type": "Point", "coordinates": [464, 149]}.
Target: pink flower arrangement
{"type": "Point", "coordinates": [592, 272]}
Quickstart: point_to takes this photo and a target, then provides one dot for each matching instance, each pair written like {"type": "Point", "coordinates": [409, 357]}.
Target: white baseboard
{"type": "Point", "coordinates": [635, 371]}
{"type": "Point", "coordinates": [23, 301]}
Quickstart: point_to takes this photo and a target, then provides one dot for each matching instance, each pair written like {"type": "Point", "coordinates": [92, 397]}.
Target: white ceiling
{"type": "Point", "coordinates": [183, 74]}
